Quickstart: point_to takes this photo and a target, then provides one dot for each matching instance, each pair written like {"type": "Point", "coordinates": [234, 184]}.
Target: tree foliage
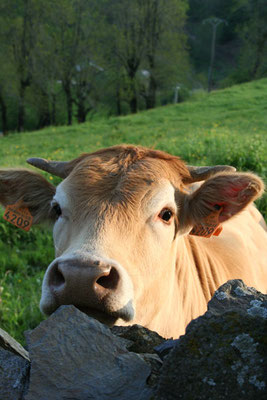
{"type": "Point", "coordinates": [253, 32]}
{"type": "Point", "coordinates": [240, 46]}
{"type": "Point", "coordinates": [65, 60]}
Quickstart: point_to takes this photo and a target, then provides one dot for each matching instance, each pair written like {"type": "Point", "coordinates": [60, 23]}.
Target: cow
{"type": "Point", "coordinates": [141, 237]}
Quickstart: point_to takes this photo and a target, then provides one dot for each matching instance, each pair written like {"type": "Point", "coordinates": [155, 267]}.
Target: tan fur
{"type": "Point", "coordinates": [30, 188]}
{"type": "Point", "coordinates": [119, 176]}
{"type": "Point", "coordinates": [233, 192]}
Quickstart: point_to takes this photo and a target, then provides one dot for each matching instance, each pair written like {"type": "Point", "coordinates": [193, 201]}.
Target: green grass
{"type": "Point", "coordinates": [224, 127]}
{"type": "Point", "coordinates": [23, 260]}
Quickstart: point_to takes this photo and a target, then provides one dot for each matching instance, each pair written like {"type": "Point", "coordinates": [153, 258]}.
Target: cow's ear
{"type": "Point", "coordinates": [29, 188]}
{"type": "Point", "coordinates": [227, 192]}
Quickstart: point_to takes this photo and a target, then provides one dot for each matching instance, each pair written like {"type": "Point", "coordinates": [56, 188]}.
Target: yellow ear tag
{"type": "Point", "coordinates": [209, 226]}
{"type": "Point", "coordinates": [19, 216]}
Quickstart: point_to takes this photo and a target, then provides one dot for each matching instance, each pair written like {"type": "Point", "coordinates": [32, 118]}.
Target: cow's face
{"type": "Point", "coordinates": [113, 242]}
{"type": "Point", "coordinates": [118, 217]}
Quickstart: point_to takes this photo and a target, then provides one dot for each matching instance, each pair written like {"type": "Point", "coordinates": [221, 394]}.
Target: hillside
{"type": "Point", "coordinates": [197, 130]}
{"type": "Point", "coordinates": [224, 127]}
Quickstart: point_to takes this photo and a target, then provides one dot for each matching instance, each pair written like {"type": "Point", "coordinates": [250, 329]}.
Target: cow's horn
{"type": "Point", "coordinates": [202, 173]}
{"type": "Point", "coordinates": [58, 168]}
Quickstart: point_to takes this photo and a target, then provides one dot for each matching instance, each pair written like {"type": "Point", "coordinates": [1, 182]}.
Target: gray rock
{"type": "Point", "coordinates": [164, 348]}
{"type": "Point", "coordinates": [14, 372]}
{"type": "Point", "coordinates": [234, 295]}
{"type": "Point", "coordinates": [155, 364]}
{"type": "Point", "coordinates": [75, 357]}
{"type": "Point", "coordinates": [223, 353]}
{"type": "Point", "coordinates": [141, 339]}
{"type": "Point", "coordinates": [9, 343]}
{"type": "Point", "coordinates": [14, 368]}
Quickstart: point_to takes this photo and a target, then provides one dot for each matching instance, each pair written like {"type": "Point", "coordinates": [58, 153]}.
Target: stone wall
{"type": "Point", "coordinates": [72, 356]}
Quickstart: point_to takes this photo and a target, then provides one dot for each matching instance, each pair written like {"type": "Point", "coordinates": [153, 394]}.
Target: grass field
{"type": "Point", "coordinates": [223, 127]}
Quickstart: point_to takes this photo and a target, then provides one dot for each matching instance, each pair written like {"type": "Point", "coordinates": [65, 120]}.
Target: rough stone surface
{"type": "Point", "coordinates": [234, 295]}
{"type": "Point", "coordinates": [14, 372]}
{"type": "Point", "coordinates": [164, 348]}
{"type": "Point", "coordinates": [155, 364]}
{"type": "Point", "coordinates": [223, 353]}
{"type": "Point", "coordinates": [9, 343]}
{"type": "Point", "coordinates": [142, 340]}
{"type": "Point", "coordinates": [75, 357]}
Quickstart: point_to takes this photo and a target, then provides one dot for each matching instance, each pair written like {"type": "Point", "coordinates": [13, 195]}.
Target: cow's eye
{"type": "Point", "coordinates": [166, 214]}
{"type": "Point", "coordinates": [57, 210]}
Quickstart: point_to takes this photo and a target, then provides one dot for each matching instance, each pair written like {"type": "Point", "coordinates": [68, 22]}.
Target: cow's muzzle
{"type": "Point", "coordinates": [101, 288]}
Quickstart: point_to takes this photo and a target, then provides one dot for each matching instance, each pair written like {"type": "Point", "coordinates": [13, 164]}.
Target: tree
{"type": "Point", "coordinates": [44, 87]}
{"type": "Point", "coordinates": [147, 35]}
{"type": "Point", "coordinates": [85, 88]}
{"type": "Point", "coordinates": [87, 52]}
{"type": "Point", "coordinates": [3, 107]}
{"type": "Point", "coordinates": [23, 17]}
{"type": "Point", "coordinates": [72, 29]}
{"type": "Point", "coordinates": [8, 75]}
{"type": "Point", "coordinates": [165, 43]}
{"type": "Point", "coordinates": [64, 29]}
{"type": "Point", "coordinates": [126, 26]}
{"type": "Point", "coordinates": [3, 79]}
{"type": "Point", "coordinates": [253, 32]}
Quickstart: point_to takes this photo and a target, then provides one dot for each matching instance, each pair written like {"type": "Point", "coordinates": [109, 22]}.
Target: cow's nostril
{"type": "Point", "coordinates": [109, 281]}
{"type": "Point", "coordinates": [56, 278]}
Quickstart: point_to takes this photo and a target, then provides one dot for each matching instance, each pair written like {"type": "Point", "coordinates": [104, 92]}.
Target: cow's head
{"type": "Point", "coordinates": [118, 216]}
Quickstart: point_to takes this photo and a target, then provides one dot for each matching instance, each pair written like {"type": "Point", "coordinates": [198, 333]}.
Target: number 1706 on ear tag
{"type": "Point", "coordinates": [19, 216]}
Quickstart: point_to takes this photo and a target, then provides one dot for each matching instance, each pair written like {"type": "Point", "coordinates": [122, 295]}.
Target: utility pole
{"type": "Point", "coordinates": [214, 22]}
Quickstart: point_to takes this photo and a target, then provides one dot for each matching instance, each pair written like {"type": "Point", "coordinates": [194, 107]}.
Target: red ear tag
{"type": "Point", "coordinates": [209, 226]}
{"type": "Point", "coordinates": [218, 231]}
{"type": "Point", "coordinates": [18, 216]}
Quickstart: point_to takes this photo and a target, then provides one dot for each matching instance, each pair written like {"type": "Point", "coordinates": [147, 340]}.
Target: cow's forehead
{"type": "Point", "coordinates": [155, 194]}
{"type": "Point", "coordinates": [121, 169]}
{"type": "Point", "coordinates": [97, 185]}
{"type": "Point", "coordinates": [135, 163]}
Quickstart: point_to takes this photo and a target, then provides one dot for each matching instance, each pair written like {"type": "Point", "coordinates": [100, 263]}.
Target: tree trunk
{"type": "Point", "coordinates": [133, 104]}
{"type": "Point", "coordinates": [81, 112]}
{"type": "Point", "coordinates": [133, 98]}
{"type": "Point", "coordinates": [151, 96]}
{"type": "Point", "coordinates": [21, 111]}
{"type": "Point", "coordinates": [260, 52]}
{"type": "Point", "coordinates": [212, 57]}
{"type": "Point", "coordinates": [53, 111]}
{"type": "Point", "coordinates": [118, 100]}
{"type": "Point", "coordinates": [27, 42]}
{"type": "Point", "coordinates": [69, 108]}
{"type": "Point", "coordinates": [83, 90]}
{"type": "Point", "coordinates": [69, 101]}
{"type": "Point", "coordinates": [44, 119]}
{"type": "Point", "coordinates": [4, 114]}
